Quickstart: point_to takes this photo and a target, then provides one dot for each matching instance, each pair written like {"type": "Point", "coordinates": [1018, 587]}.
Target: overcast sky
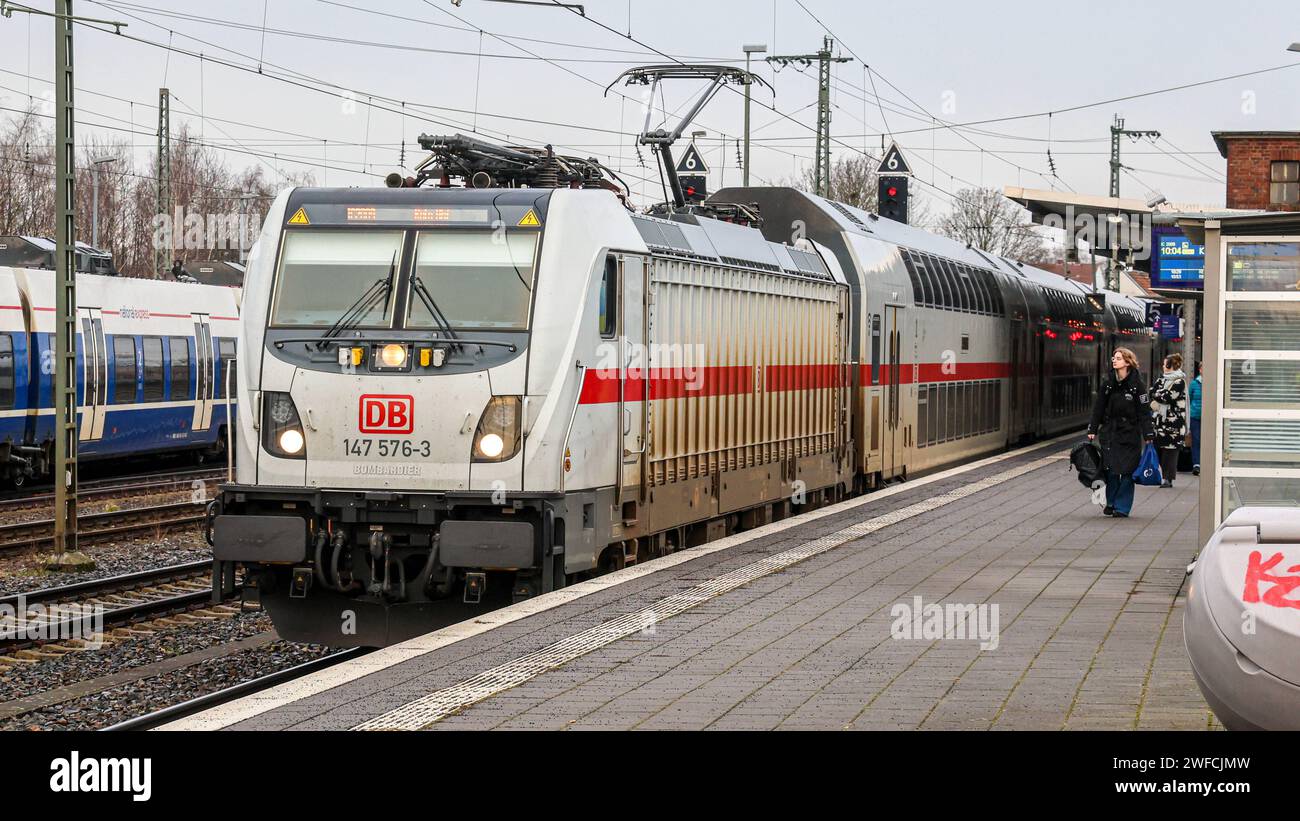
{"type": "Point", "coordinates": [956, 61]}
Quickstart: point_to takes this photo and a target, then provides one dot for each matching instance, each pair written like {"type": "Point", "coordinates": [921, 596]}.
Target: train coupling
{"type": "Point", "coordinates": [475, 584]}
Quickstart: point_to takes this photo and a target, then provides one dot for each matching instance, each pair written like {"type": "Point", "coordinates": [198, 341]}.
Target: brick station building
{"type": "Point", "coordinates": [1263, 169]}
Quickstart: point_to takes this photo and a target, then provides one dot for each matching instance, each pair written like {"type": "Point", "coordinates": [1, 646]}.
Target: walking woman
{"type": "Point", "coordinates": [1122, 418]}
{"type": "Point", "coordinates": [1170, 398]}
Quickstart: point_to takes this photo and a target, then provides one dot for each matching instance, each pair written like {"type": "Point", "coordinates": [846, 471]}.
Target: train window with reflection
{"type": "Point", "coordinates": [477, 280]}
{"type": "Point", "coordinates": [609, 298]}
{"type": "Point", "coordinates": [323, 274]}
{"type": "Point", "coordinates": [124, 377]}
{"type": "Point", "coordinates": [228, 374]}
{"type": "Point", "coordinates": [153, 368]}
{"type": "Point", "coordinates": [6, 372]}
{"type": "Point", "coordinates": [180, 375]}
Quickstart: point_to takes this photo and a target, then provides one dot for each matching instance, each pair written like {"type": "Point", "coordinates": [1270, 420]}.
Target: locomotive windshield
{"type": "Point", "coordinates": [478, 279]}
{"type": "Point", "coordinates": [322, 273]}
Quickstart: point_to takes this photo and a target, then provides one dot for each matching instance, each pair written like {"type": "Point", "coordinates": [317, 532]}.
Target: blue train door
{"type": "Point", "coordinates": [94, 386]}
{"type": "Point", "coordinates": [204, 381]}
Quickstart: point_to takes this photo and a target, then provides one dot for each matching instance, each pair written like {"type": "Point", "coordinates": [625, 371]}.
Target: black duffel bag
{"type": "Point", "coordinates": [1086, 459]}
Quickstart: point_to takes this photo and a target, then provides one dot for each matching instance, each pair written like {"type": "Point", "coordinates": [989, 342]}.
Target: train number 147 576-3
{"type": "Point", "coordinates": [387, 447]}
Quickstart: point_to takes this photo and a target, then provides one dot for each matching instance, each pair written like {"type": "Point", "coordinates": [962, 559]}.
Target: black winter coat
{"type": "Point", "coordinates": [1121, 418]}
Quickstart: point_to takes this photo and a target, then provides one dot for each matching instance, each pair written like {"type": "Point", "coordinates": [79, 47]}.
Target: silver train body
{"type": "Point", "coordinates": [453, 389]}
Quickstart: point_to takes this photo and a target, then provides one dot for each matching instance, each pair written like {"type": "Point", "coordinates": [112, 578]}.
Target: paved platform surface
{"type": "Point", "coordinates": [1089, 611]}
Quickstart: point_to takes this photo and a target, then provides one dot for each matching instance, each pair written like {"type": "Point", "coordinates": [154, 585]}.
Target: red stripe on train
{"type": "Point", "coordinates": [940, 372]}
{"type": "Point", "coordinates": [602, 385]}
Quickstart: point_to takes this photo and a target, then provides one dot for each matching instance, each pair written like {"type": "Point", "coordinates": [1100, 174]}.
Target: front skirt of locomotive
{"type": "Point", "coordinates": [368, 568]}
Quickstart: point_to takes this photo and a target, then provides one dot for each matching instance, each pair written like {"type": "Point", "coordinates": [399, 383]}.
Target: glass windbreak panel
{"type": "Point", "coordinates": [1261, 491]}
{"type": "Point", "coordinates": [1264, 384]}
{"type": "Point", "coordinates": [1264, 266]}
{"type": "Point", "coordinates": [1261, 443]}
{"type": "Point", "coordinates": [324, 273]}
{"type": "Point", "coordinates": [476, 279]}
{"type": "Point", "coordinates": [1262, 326]}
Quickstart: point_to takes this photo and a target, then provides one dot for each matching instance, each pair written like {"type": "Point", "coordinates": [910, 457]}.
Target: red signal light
{"type": "Point", "coordinates": [892, 191]}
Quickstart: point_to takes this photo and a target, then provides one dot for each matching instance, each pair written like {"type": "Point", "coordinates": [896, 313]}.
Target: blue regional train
{"type": "Point", "coordinates": [153, 361]}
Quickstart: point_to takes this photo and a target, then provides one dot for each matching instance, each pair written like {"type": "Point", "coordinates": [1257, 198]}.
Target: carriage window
{"type": "Point", "coordinates": [922, 417]}
{"type": "Point", "coordinates": [917, 293]}
{"type": "Point", "coordinates": [226, 347]}
{"type": "Point", "coordinates": [927, 284]}
{"type": "Point", "coordinates": [124, 375]}
{"type": "Point", "coordinates": [180, 382]}
{"type": "Point", "coordinates": [325, 273]}
{"type": "Point", "coordinates": [476, 279]}
{"type": "Point", "coordinates": [153, 368]}
{"type": "Point", "coordinates": [946, 284]}
{"type": "Point", "coordinates": [963, 288]}
{"type": "Point", "coordinates": [933, 391]}
{"type": "Point", "coordinates": [982, 301]}
{"type": "Point", "coordinates": [609, 298]}
{"type": "Point", "coordinates": [6, 372]}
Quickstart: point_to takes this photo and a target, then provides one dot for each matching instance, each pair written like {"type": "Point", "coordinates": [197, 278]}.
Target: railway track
{"type": "Point", "coordinates": [125, 600]}
{"type": "Point", "coordinates": [112, 488]}
{"type": "Point", "coordinates": [104, 526]}
{"type": "Point", "coordinates": [149, 721]}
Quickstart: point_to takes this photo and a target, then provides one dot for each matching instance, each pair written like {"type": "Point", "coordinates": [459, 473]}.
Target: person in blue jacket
{"type": "Point", "coordinates": [1194, 420]}
{"type": "Point", "coordinates": [1121, 416]}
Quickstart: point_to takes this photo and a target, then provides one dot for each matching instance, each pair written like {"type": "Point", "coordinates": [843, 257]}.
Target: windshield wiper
{"type": "Point", "coordinates": [352, 317]}
{"type": "Point", "coordinates": [439, 318]}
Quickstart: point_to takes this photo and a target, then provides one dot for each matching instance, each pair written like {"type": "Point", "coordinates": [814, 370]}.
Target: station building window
{"type": "Point", "coordinates": [1284, 182]}
{"type": "Point", "coordinates": [1259, 403]}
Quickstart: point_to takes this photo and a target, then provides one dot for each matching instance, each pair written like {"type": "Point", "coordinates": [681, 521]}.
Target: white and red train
{"type": "Point", "coordinates": [453, 387]}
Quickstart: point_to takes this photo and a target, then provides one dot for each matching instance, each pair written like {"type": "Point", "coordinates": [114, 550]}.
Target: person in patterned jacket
{"type": "Point", "coordinates": [1169, 401]}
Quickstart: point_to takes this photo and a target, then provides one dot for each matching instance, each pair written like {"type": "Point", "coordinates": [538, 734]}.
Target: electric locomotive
{"type": "Point", "coordinates": [520, 383]}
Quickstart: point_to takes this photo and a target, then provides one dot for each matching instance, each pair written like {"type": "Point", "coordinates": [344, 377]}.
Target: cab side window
{"type": "Point", "coordinates": [609, 298]}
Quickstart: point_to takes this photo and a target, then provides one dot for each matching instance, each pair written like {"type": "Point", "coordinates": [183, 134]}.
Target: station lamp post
{"type": "Point", "coordinates": [750, 50]}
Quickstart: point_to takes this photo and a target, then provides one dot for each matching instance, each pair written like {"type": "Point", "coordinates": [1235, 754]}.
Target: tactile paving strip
{"type": "Point", "coordinates": [438, 705]}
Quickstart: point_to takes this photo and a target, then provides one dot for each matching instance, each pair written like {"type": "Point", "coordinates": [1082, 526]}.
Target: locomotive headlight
{"type": "Point", "coordinates": [282, 433]}
{"type": "Point", "coordinates": [497, 436]}
{"type": "Point", "coordinates": [491, 445]}
{"type": "Point", "coordinates": [393, 356]}
{"type": "Point", "coordinates": [291, 441]}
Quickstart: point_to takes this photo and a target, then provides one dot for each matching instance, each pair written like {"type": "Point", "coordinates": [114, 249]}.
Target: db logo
{"type": "Point", "coordinates": [386, 413]}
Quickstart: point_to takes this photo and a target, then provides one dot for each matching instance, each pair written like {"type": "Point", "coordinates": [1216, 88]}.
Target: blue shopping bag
{"type": "Point", "coordinates": [1148, 470]}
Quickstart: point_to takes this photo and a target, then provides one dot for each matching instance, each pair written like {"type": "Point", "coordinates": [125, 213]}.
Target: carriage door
{"type": "Point", "coordinates": [204, 379]}
{"type": "Point", "coordinates": [1013, 414]}
{"type": "Point", "coordinates": [94, 362]}
{"type": "Point", "coordinates": [895, 457]}
{"type": "Point", "coordinates": [633, 391]}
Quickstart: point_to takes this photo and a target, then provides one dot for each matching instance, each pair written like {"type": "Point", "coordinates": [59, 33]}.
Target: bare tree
{"type": "Point", "coordinates": [203, 188]}
{"type": "Point", "coordinates": [984, 219]}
